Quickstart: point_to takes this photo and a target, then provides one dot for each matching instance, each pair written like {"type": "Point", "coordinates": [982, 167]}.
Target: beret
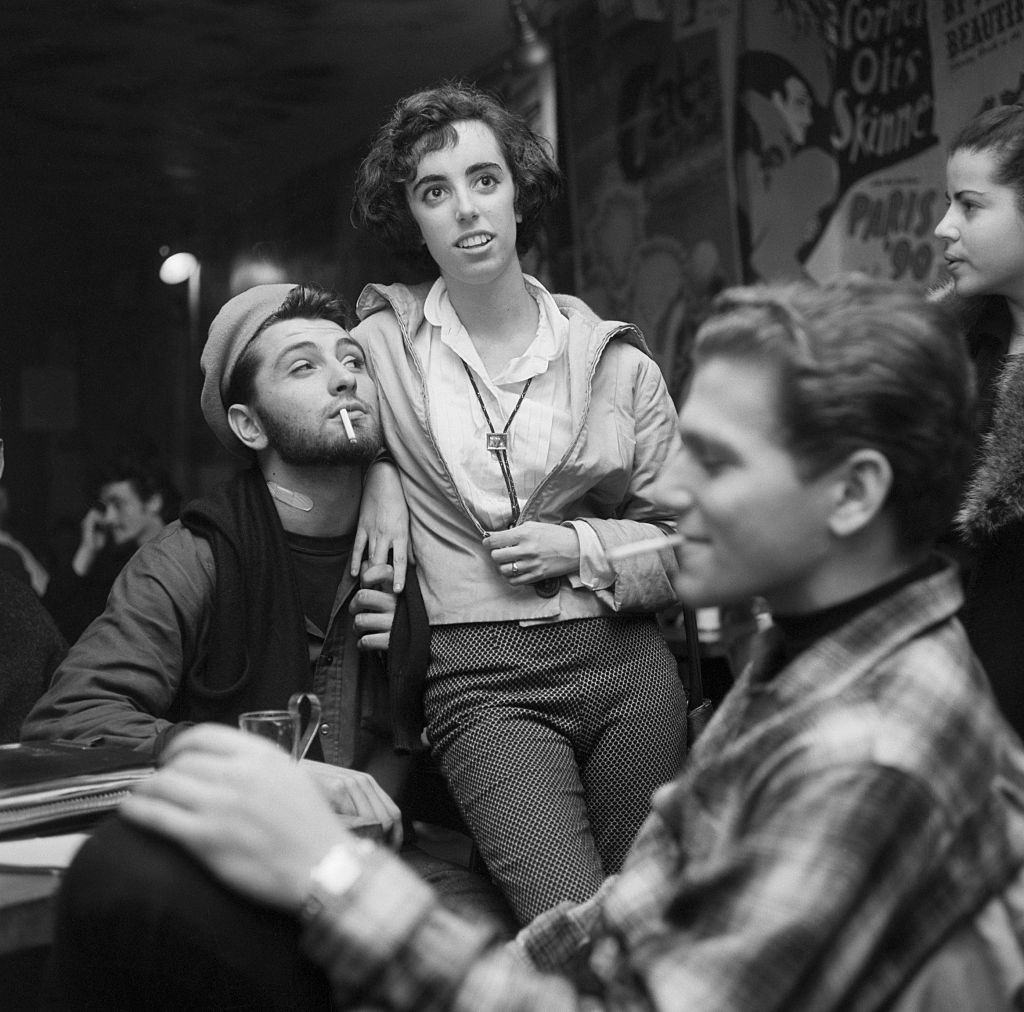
{"type": "Point", "coordinates": [232, 329]}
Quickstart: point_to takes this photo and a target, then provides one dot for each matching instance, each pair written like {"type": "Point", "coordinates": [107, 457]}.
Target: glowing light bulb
{"type": "Point", "coordinates": [178, 267]}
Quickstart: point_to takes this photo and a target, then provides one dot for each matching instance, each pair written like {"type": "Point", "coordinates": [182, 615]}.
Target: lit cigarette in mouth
{"type": "Point", "coordinates": [347, 422]}
{"type": "Point", "coordinates": [643, 547]}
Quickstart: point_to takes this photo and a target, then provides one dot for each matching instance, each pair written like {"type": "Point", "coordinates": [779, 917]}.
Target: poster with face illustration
{"type": "Point", "coordinates": [647, 152]}
{"type": "Point", "coordinates": [836, 151]}
{"type": "Point", "coordinates": [720, 141]}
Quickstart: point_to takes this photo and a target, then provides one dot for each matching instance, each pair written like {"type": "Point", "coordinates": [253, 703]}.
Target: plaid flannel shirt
{"type": "Point", "coordinates": [832, 826]}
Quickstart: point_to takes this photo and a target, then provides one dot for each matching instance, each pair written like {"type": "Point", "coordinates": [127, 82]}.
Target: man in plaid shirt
{"type": "Point", "coordinates": [848, 832]}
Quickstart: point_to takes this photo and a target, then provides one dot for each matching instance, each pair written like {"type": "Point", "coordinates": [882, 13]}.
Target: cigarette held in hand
{"type": "Point", "coordinates": [643, 547]}
{"type": "Point", "coordinates": [347, 422]}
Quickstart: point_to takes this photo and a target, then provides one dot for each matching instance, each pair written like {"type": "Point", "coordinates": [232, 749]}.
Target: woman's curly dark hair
{"type": "Point", "coordinates": [424, 122]}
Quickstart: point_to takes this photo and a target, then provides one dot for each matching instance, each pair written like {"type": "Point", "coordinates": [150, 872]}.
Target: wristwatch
{"type": "Point", "coordinates": [334, 875]}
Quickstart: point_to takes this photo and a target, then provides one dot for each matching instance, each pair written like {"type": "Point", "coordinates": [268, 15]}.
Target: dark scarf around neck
{"type": "Point", "coordinates": [257, 653]}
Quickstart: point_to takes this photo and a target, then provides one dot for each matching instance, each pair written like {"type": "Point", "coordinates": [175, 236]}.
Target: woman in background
{"type": "Point", "coordinates": [983, 230]}
{"type": "Point", "coordinates": [532, 438]}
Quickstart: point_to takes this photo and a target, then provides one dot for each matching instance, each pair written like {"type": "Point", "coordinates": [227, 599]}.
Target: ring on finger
{"type": "Point", "coordinates": [515, 568]}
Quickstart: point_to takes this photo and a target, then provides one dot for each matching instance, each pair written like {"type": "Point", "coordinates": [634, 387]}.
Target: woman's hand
{"type": "Point", "coordinates": [383, 526]}
{"type": "Point", "coordinates": [243, 808]}
{"type": "Point", "coordinates": [534, 551]}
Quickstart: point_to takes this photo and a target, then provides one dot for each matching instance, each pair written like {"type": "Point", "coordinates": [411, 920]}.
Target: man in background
{"type": "Point", "coordinates": [135, 500]}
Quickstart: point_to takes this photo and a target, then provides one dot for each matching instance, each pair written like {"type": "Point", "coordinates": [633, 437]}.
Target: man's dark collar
{"type": "Point", "coordinates": [802, 631]}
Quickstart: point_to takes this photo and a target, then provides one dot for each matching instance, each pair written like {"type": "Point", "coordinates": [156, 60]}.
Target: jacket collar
{"type": "Point", "coordinates": [406, 301]}
{"type": "Point", "coordinates": [829, 667]}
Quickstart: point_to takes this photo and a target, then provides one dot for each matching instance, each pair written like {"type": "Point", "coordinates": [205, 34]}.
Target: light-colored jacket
{"type": "Point", "coordinates": [621, 472]}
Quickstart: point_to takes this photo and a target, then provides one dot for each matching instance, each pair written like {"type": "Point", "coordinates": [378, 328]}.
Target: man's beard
{"type": "Point", "coordinates": [301, 448]}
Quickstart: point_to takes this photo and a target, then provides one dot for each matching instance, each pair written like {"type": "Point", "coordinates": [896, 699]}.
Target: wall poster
{"type": "Point", "coordinates": [648, 156]}
{"type": "Point", "coordinates": [842, 122]}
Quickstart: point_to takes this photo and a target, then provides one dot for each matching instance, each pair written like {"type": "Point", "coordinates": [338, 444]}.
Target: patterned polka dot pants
{"type": "Point", "coordinates": [552, 738]}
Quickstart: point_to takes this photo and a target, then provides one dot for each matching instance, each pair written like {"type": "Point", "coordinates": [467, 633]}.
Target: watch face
{"type": "Point", "coordinates": [336, 872]}
{"type": "Point", "coordinates": [339, 868]}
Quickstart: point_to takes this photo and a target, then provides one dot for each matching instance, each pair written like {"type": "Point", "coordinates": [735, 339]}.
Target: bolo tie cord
{"type": "Point", "coordinates": [497, 442]}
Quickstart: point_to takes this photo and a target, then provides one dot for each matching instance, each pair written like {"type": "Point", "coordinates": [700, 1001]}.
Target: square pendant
{"type": "Point", "coordinates": [497, 442]}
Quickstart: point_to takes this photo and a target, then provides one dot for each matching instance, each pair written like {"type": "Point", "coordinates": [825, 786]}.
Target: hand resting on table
{"type": "Point", "coordinates": [244, 809]}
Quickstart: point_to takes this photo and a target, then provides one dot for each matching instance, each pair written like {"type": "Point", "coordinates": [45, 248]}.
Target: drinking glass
{"type": "Point", "coordinates": [284, 727]}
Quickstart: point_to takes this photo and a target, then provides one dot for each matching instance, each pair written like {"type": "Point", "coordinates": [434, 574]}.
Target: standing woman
{"type": "Point", "coordinates": [983, 230]}
{"type": "Point", "coordinates": [532, 438]}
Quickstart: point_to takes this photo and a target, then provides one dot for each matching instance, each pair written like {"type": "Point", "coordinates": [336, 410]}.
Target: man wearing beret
{"type": "Point", "coordinates": [225, 610]}
{"type": "Point", "coordinates": [251, 595]}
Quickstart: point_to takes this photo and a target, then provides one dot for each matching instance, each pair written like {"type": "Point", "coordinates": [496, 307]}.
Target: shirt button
{"type": "Point", "coordinates": [325, 729]}
{"type": "Point", "coordinates": [328, 658]}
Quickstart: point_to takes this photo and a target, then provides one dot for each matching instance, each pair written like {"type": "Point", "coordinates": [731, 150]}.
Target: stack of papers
{"type": "Point", "coordinates": [51, 785]}
{"type": "Point", "coordinates": [41, 854]}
